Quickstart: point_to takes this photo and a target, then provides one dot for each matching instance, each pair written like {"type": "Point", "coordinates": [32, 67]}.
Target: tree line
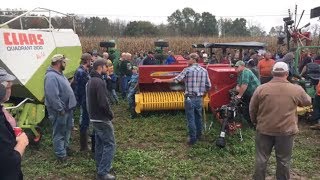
{"type": "Point", "coordinates": [185, 22]}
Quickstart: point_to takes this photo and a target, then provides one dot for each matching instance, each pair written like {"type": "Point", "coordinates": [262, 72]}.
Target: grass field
{"type": "Point", "coordinates": [153, 146]}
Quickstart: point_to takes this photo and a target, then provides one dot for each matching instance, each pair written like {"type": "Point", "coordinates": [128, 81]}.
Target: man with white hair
{"type": "Point", "coordinates": [273, 110]}
{"type": "Point", "coordinates": [106, 57]}
{"type": "Point", "coordinates": [125, 73]}
{"type": "Point", "coordinates": [171, 59]}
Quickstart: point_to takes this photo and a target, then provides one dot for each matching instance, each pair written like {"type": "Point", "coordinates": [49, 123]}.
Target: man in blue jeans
{"type": "Point", "coordinates": [125, 73]}
{"type": "Point", "coordinates": [100, 114]}
{"type": "Point", "coordinates": [60, 102]}
{"type": "Point", "coordinates": [197, 83]}
{"type": "Point", "coordinates": [81, 78]}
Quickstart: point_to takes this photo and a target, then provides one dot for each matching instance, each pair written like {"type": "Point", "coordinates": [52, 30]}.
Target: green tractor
{"type": "Point", "coordinates": [160, 56]}
{"type": "Point", "coordinates": [114, 53]}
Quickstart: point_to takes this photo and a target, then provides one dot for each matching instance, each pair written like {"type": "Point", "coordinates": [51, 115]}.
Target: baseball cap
{"type": "Point", "coordinates": [280, 67]}
{"type": "Point", "coordinates": [58, 57]}
{"type": "Point", "coordinates": [4, 76]}
{"type": "Point", "coordinates": [239, 63]}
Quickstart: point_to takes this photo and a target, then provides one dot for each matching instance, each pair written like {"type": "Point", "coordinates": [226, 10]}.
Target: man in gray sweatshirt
{"type": "Point", "coordinates": [60, 102]}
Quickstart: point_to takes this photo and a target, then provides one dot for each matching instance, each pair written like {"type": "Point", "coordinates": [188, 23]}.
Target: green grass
{"type": "Point", "coordinates": [153, 146]}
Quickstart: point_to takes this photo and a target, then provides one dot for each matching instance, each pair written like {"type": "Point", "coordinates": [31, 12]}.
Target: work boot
{"type": "Point", "coordinates": [106, 177]}
{"type": "Point", "coordinates": [93, 143]}
{"type": "Point", "coordinates": [62, 159]}
{"type": "Point", "coordinates": [84, 141]}
{"type": "Point", "coordinates": [315, 127]}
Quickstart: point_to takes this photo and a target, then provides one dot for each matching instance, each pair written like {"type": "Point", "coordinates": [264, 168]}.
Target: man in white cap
{"type": "Point", "coordinates": [273, 109]}
{"type": "Point", "coordinates": [60, 102]}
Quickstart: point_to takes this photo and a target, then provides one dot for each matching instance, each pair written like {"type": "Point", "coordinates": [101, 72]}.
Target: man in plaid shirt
{"type": "Point", "coordinates": [197, 83]}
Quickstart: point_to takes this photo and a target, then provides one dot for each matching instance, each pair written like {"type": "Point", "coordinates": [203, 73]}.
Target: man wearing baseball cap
{"type": "Point", "coordinates": [12, 147]}
{"type": "Point", "coordinates": [273, 109]}
{"type": "Point", "coordinates": [81, 78]}
{"type": "Point", "coordinates": [60, 102]}
{"type": "Point", "coordinates": [247, 82]}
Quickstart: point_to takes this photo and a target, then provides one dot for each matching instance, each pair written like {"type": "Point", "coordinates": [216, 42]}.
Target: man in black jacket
{"type": "Point", "coordinates": [101, 115]}
{"type": "Point", "coordinates": [11, 147]}
{"type": "Point", "coordinates": [150, 60]}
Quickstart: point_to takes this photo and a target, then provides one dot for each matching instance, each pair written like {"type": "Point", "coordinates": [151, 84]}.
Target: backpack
{"type": "Point", "coordinates": [313, 72]}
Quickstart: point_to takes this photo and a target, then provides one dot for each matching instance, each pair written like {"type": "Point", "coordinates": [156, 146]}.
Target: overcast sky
{"type": "Point", "coordinates": [267, 13]}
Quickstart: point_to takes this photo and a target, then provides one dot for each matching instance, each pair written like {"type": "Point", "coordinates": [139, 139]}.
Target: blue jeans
{"type": "Point", "coordinates": [131, 98]}
{"type": "Point", "coordinates": [61, 127]}
{"type": "Point", "coordinates": [193, 110]}
{"type": "Point", "coordinates": [105, 146]}
{"type": "Point", "coordinates": [84, 118]}
{"type": "Point", "coordinates": [114, 96]}
{"type": "Point", "coordinates": [131, 101]}
{"type": "Point", "coordinates": [124, 85]}
{"type": "Point", "coordinates": [316, 109]}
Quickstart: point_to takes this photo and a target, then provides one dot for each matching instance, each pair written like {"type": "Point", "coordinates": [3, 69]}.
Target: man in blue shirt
{"type": "Point", "coordinates": [170, 59]}
{"type": "Point", "coordinates": [81, 78]}
{"type": "Point", "coordinates": [60, 102]}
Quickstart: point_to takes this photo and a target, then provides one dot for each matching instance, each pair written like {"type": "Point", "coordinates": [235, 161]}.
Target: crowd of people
{"type": "Point", "coordinates": [262, 85]}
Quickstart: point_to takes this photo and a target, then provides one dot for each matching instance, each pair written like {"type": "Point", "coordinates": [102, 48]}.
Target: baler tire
{"type": "Point", "coordinates": [33, 140]}
{"type": "Point", "coordinates": [221, 142]}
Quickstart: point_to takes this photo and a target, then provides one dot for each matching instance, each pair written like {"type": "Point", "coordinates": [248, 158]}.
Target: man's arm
{"type": "Point", "coordinates": [208, 82]}
{"type": "Point", "coordinates": [8, 155]}
{"type": "Point", "coordinates": [244, 84]}
{"type": "Point", "coordinates": [303, 71]}
{"type": "Point", "coordinates": [103, 99]}
{"type": "Point", "coordinates": [254, 106]}
{"type": "Point", "coordinates": [242, 89]}
{"type": "Point", "coordinates": [178, 78]}
{"type": "Point", "coordinates": [52, 94]}
{"type": "Point", "coordinates": [303, 98]}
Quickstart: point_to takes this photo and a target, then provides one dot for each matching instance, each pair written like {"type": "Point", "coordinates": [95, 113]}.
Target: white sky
{"type": "Point", "coordinates": [267, 13]}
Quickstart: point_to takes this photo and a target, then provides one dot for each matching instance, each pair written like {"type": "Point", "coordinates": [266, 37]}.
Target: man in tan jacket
{"type": "Point", "coordinates": [273, 111]}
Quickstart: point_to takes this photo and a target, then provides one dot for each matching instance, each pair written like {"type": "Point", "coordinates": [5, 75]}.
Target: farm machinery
{"type": "Point", "coordinates": [157, 97]}
{"type": "Point", "coordinates": [27, 54]}
{"type": "Point", "coordinates": [298, 42]}
{"type": "Point", "coordinates": [220, 98]}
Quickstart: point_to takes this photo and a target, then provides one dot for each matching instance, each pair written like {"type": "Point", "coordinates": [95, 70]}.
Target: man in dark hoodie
{"type": "Point", "coordinates": [60, 102]}
{"type": "Point", "coordinates": [81, 78]}
{"type": "Point", "coordinates": [100, 114]}
{"type": "Point", "coordinates": [125, 73]}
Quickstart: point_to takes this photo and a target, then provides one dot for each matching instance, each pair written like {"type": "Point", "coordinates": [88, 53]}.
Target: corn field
{"type": "Point", "coordinates": [176, 44]}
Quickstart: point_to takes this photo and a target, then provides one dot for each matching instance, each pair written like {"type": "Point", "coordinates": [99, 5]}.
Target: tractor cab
{"type": "Point", "coordinates": [159, 55]}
